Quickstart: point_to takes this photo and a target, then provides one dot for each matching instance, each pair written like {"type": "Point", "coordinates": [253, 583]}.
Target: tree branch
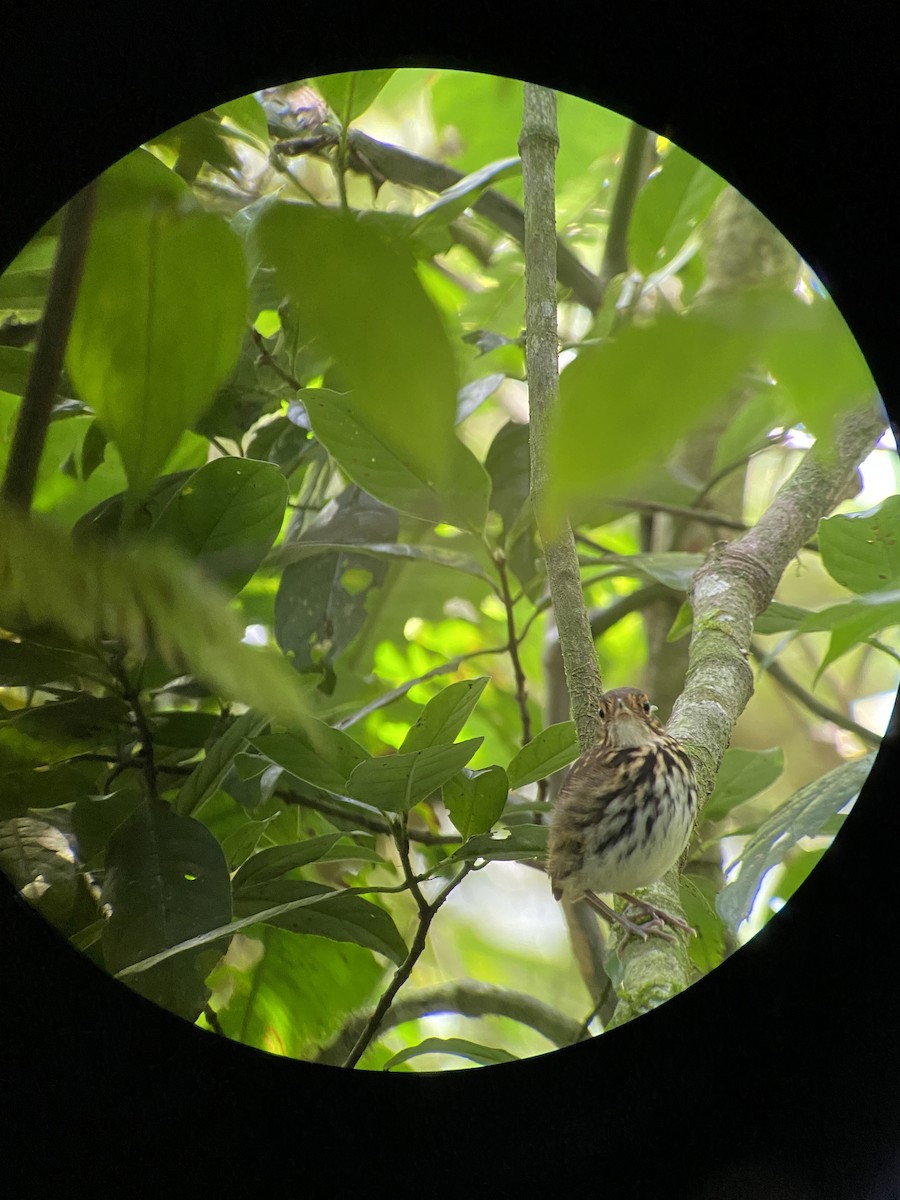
{"type": "Point", "coordinates": [538, 145]}
{"type": "Point", "coordinates": [735, 584]}
{"type": "Point", "coordinates": [469, 998]}
{"type": "Point", "coordinates": [53, 334]}
{"type": "Point", "coordinates": [403, 972]}
{"type": "Point", "coordinates": [631, 179]}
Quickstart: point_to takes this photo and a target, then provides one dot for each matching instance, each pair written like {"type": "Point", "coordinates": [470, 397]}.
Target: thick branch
{"type": "Point", "coordinates": [538, 146]}
{"type": "Point", "coordinates": [730, 590]}
{"type": "Point", "coordinates": [469, 998]}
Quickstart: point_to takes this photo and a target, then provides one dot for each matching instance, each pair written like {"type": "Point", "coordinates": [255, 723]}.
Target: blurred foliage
{"type": "Point", "coordinates": [304, 373]}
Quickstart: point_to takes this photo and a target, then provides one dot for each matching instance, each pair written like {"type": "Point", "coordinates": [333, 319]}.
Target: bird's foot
{"type": "Point", "coordinates": [654, 926]}
{"type": "Point", "coordinates": [659, 915]}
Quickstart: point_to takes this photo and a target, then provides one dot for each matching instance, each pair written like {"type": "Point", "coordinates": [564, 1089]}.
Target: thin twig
{"type": "Point", "coordinates": [34, 414]}
{"type": "Point", "coordinates": [513, 647]}
{"type": "Point", "coordinates": [404, 971]}
{"type": "Point", "coordinates": [809, 701]}
{"type": "Point", "coordinates": [131, 695]}
{"type": "Point", "coordinates": [265, 357]}
{"type": "Point", "coordinates": [631, 179]}
{"type": "Point", "coordinates": [367, 821]}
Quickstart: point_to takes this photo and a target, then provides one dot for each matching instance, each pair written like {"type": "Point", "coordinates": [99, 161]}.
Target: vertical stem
{"type": "Point", "coordinates": [37, 403]}
{"type": "Point", "coordinates": [538, 146]}
{"type": "Point", "coordinates": [513, 647]}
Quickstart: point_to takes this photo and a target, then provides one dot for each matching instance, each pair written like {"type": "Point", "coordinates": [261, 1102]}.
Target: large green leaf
{"type": "Point", "coordinates": [743, 775]}
{"type": "Point", "coordinates": [360, 294]}
{"type": "Point", "coordinates": [319, 754]}
{"type": "Point", "coordinates": [275, 861]}
{"type": "Point", "coordinates": [508, 463]}
{"type": "Point", "coordinates": [553, 748]}
{"type": "Point", "coordinates": [150, 598]}
{"type": "Point", "coordinates": [370, 453]}
{"type": "Point", "coordinates": [803, 815]}
{"type": "Point", "coordinates": [166, 880]}
{"type": "Point", "coordinates": [475, 799]}
{"type": "Point", "coordinates": [396, 782]}
{"type": "Point", "coordinates": [678, 370]}
{"type": "Point", "coordinates": [669, 208]}
{"type": "Point", "coordinates": [862, 550]}
{"type": "Point", "coordinates": [444, 715]}
{"type": "Point", "coordinates": [325, 589]}
{"type": "Point", "coordinates": [341, 916]}
{"type": "Point", "coordinates": [289, 993]}
{"type": "Point", "coordinates": [226, 517]}
{"type": "Point", "coordinates": [207, 776]}
{"type": "Point", "coordinates": [158, 324]}
{"type": "Point", "coordinates": [348, 95]}
{"type": "Point", "coordinates": [524, 842]}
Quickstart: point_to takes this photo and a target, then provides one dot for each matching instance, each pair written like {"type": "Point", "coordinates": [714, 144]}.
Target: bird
{"type": "Point", "coordinates": [624, 814]}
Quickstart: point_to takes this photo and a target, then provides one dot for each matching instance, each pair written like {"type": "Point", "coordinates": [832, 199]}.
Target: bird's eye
{"type": "Point", "coordinates": [647, 706]}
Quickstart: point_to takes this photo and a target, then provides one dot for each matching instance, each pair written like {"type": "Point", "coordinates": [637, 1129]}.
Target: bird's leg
{"type": "Point", "coordinates": [659, 914]}
{"type": "Point", "coordinates": [641, 931]}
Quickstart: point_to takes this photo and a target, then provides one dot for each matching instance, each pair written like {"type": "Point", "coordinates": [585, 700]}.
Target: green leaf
{"type": "Point", "coordinates": [853, 623]}
{"type": "Point", "coordinates": [15, 367]}
{"type": "Point", "coordinates": [508, 463]}
{"type": "Point", "coordinates": [319, 754]}
{"type": "Point", "coordinates": [300, 550]}
{"type": "Point", "coordinates": [779, 617]}
{"type": "Point", "coordinates": [275, 861]}
{"type": "Point", "coordinates": [361, 295]}
{"type": "Point", "coordinates": [803, 815]}
{"type": "Point", "coordinates": [454, 200]}
{"type": "Point", "coordinates": [27, 787]}
{"type": "Point", "coordinates": [444, 715]}
{"type": "Point", "coordinates": [226, 517]}
{"type": "Point", "coordinates": [674, 568]}
{"type": "Point", "coordinates": [698, 901]}
{"type": "Point", "coordinates": [325, 590]}
{"type": "Point", "coordinates": [166, 880]}
{"type": "Point", "coordinates": [288, 993]}
{"type": "Point", "coordinates": [40, 862]}
{"type": "Point", "coordinates": [475, 799]}
{"type": "Point", "coordinates": [524, 842]}
{"type": "Point", "coordinates": [207, 776]}
{"type": "Point", "coordinates": [341, 916]}
{"type": "Point", "coordinates": [157, 327]}
{"type": "Point", "coordinates": [862, 550]}
{"type": "Point", "coordinates": [376, 459]}
{"type": "Point", "coordinates": [743, 775]}
{"type": "Point", "coordinates": [473, 394]}
{"type": "Point", "coordinates": [27, 664]}
{"type": "Point", "coordinates": [248, 114]}
{"type": "Point", "coordinates": [765, 410]}
{"type": "Point", "coordinates": [669, 208]}
{"type": "Point", "coordinates": [396, 782]}
{"type": "Point", "coordinates": [693, 361]}
{"type": "Point", "coordinates": [458, 1047]}
{"type": "Point", "coordinates": [553, 748]}
{"type": "Point", "coordinates": [150, 599]}
{"type": "Point", "coordinates": [349, 95]}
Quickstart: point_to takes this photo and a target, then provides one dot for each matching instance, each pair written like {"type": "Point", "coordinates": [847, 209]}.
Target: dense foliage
{"type": "Point", "coordinates": [282, 701]}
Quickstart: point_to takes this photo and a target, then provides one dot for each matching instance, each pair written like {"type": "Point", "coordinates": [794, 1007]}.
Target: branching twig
{"type": "Point", "coordinates": [266, 358]}
{"type": "Point", "coordinates": [37, 403]}
{"type": "Point", "coordinates": [404, 971]}
{"type": "Point", "coordinates": [808, 700]}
